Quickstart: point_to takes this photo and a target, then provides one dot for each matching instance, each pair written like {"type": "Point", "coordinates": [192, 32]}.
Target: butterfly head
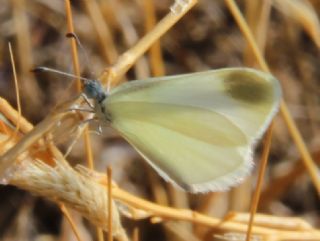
{"type": "Point", "coordinates": [94, 90]}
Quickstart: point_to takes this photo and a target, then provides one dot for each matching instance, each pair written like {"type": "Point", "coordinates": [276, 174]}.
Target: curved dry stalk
{"type": "Point", "coordinates": [303, 13]}
{"type": "Point", "coordinates": [11, 114]}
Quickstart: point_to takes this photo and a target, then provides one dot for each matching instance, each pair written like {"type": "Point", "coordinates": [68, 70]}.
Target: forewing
{"type": "Point", "coordinates": [198, 129]}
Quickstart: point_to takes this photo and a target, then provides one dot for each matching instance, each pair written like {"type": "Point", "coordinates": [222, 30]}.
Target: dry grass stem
{"type": "Point", "coordinates": [74, 47]}
{"type": "Point", "coordinates": [102, 30]}
{"type": "Point", "coordinates": [66, 213]}
{"type": "Point", "coordinates": [156, 61]}
{"type": "Point", "coordinates": [109, 191]}
{"type": "Point", "coordinates": [263, 220]}
{"type": "Point", "coordinates": [257, 17]}
{"type": "Point", "coordinates": [25, 59]}
{"type": "Point", "coordinates": [262, 169]}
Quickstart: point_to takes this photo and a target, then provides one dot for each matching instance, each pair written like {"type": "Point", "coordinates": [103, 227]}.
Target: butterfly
{"type": "Point", "coordinates": [196, 130]}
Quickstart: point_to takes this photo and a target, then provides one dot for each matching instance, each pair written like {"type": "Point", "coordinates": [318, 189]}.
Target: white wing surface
{"type": "Point", "coordinates": [196, 130]}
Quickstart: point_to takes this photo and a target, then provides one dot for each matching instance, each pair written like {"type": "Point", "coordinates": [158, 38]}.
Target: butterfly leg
{"type": "Point", "coordinates": [80, 109]}
{"type": "Point", "coordinates": [98, 131]}
{"type": "Point", "coordinates": [79, 132]}
{"type": "Point", "coordinates": [87, 100]}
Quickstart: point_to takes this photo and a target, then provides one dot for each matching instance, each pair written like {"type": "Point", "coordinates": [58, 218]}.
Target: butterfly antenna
{"type": "Point", "coordinates": [46, 69]}
{"type": "Point", "coordinates": [83, 50]}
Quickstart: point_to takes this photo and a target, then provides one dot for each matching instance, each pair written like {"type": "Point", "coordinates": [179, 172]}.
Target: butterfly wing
{"type": "Point", "coordinates": [196, 130]}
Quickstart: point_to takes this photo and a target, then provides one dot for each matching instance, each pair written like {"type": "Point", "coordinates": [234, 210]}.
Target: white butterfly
{"type": "Point", "coordinates": [196, 130]}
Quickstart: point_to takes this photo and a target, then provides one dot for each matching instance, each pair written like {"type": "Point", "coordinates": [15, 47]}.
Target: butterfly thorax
{"type": "Point", "coordinates": [94, 90]}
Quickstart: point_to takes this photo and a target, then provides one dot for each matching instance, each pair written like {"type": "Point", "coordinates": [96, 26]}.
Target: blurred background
{"type": "Point", "coordinates": [288, 32]}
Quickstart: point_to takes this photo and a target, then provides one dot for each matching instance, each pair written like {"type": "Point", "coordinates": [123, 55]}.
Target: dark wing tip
{"type": "Point", "coordinates": [248, 87]}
